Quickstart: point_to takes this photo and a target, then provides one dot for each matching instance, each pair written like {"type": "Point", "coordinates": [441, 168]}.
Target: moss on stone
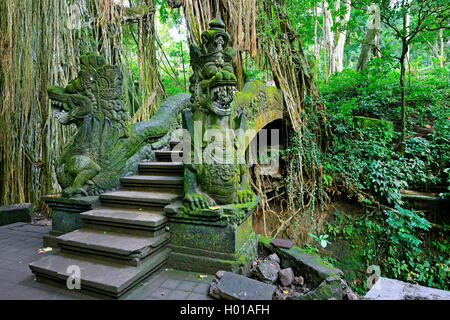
{"type": "Point", "coordinates": [303, 262]}
{"type": "Point", "coordinates": [384, 126]}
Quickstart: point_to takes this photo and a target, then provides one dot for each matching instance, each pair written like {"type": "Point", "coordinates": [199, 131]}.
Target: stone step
{"type": "Point", "coordinates": [161, 168]}
{"type": "Point", "coordinates": [150, 181]}
{"type": "Point", "coordinates": [105, 278]}
{"type": "Point", "coordinates": [139, 221]}
{"type": "Point", "coordinates": [118, 247]}
{"type": "Point", "coordinates": [169, 156]}
{"type": "Point", "coordinates": [150, 199]}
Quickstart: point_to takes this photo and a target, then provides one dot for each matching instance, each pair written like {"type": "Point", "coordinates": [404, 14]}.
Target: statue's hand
{"type": "Point", "coordinates": [72, 191]}
{"type": "Point", "coordinates": [245, 195]}
{"type": "Point", "coordinates": [199, 200]}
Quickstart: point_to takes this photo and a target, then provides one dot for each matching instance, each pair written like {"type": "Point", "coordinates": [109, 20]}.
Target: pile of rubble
{"type": "Point", "coordinates": [268, 270]}
{"type": "Point", "coordinates": [267, 280]}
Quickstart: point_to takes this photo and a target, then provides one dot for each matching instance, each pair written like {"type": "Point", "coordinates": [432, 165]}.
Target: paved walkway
{"type": "Point", "coordinates": [20, 244]}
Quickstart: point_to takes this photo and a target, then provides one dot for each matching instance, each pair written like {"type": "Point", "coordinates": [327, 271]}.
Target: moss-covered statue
{"type": "Point", "coordinates": [215, 169]}
{"type": "Point", "coordinates": [105, 146]}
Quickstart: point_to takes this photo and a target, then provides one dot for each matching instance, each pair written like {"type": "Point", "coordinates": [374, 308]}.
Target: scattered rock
{"type": "Point", "coordinates": [274, 257]}
{"type": "Point", "coordinates": [267, 271]}
{"type": "Point", "coordinates": [299, 281]}
{"type": "Point", "coordinates": [286, 276]}
{"type": "Point", "coordinates": [236, 287]}
{"type": "Point", "coordinates": [310, 264]}
{"type": "Point", "coordinates": [282, 243]}
{"type": "Point", "coordinates": [329, 288]}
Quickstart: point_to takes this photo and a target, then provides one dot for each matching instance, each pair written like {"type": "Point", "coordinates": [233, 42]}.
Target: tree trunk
{"type": "Point", "coordinates": [376, 48]}
{"type": "Point", "coordinates": [328, 38]}
{"type": "Point", "coordinates": [442, 58]}
{"type": "Point", "coordinates": [37, 49]}
{"type": "Point", "coordinates": [365, 50]}
{"type": "Point", "coordinates": [149, 80]}
{"type": "Point", "coordinates": [407, 21]}
{"type": "Point", "coordinates": [106, 29]}
{"type": "Point", "coordinates": [335, 40]}
{"type": "Point", "coordinates": [341, 38]}
{"type": "Point", "coordinates": [316, 43]}
{"type": "Point", "coordinates": [433, 48]}
{"type": "Point", "coordinates": [306, 113]}
{"type": "Point", "coordinates": [373, 25]}
{"type": "Point", "coordinates": [402, 86]}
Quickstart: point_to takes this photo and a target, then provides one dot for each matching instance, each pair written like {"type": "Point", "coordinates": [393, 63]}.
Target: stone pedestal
{"type": "Point", "coordinates": [66, 215]}
{"type": "Point", "coordinates": [212, 240]}
{"type": "Point", "coordinates": [16, 213]}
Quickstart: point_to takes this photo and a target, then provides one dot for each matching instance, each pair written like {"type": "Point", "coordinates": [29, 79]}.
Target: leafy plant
{"type": "Point", "coordinates": [396, 242]}
{"type": "Point", "coordinates": [322, 239]}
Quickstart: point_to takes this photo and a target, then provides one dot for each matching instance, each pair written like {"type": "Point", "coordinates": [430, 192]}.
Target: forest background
{"type": "Point", "coordinates": [365, 86]}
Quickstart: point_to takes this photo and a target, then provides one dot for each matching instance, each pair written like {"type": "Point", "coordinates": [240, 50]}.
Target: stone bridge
{"type": "Point", "coordinates": [261, 104]}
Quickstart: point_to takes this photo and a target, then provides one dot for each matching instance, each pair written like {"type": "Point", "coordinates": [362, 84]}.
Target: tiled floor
{"type": "Point", "coordinates": [20, 244]}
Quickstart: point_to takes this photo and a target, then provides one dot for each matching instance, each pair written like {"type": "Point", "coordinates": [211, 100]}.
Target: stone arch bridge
{"type": "Point", "coordinates": [261, 104]}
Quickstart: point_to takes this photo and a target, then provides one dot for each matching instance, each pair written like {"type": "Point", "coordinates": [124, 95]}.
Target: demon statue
{"type": "Point", "coordinates": [215, 168]}
{"type": "Point", "coordinates": [105, 146]}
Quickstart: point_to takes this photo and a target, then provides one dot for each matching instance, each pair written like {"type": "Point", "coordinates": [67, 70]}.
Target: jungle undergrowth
{"type": "Point", "coordinates": [364, 162]}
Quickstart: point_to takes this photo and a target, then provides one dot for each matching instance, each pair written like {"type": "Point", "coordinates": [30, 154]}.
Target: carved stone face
{"type": "Point", "coordinates": [213, 68]}
{"type": "Point", "coordinates": [65, 104]}
{"type": "Point", "coordinates": [96, 91]}
{"type": "Point", "coordinates": [222, 96]}
{"type": "Point", "coordinates": [59, 103]}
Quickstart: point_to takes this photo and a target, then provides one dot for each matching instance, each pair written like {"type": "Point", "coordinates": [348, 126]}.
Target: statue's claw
{"type": "Point", "coordinates": [199, 200]}
{"type": "Point", "coordinates": [72, 191]}
{"type": "Point", "coordinates": [245, 196]}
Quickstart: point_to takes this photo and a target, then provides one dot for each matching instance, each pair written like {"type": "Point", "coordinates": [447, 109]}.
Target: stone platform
{"type": "Point", "coordinates": [16, 213]}
{"type": "Point", "coordinates": [20, 243]}
{"type": "Point", "coordinates": [212, 240]}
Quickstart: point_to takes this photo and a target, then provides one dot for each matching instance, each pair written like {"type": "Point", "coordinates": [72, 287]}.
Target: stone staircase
{"type": "Point", "coordinates": [124, 240]}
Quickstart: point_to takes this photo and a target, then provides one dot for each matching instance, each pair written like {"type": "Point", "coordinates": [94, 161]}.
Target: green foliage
{"type": "Point", "coordinates": [364, 160]}
{"type": "Point", "coordinates": [364, 157]}
{"type": "Point", "coordinates": [174, 64]}
{"type": "Point", "coordinates": [304, 154]}
{"type": "Point", "coordinates": [399, 242]}
{"type": "Point", "coordinates": [310, 249]}
{"type": "Point", "coordinates": [321, 239]}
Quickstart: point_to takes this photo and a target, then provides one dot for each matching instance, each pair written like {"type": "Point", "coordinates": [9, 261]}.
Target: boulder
{"type": "Point", "coordinates": [282, 243]}
{"type": "Point", "coordinates": [302, 262]}
{"type": "Point", "coordinates": [299, 281]}
{"type": "Point", "coordinates": [286, 277]}
{"type": "Point", "coordinates": [274, 257]}
{"type": "Point", "coordinates": [267, 271]}
{"type": "Point", "coordinates": [236, 287]}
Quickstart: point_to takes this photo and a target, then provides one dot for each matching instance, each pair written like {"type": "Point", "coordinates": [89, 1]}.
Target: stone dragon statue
{"type": "Point", "coordinates": [105, 146]}
{"type": "Point", "coordinates": [211, 178]}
